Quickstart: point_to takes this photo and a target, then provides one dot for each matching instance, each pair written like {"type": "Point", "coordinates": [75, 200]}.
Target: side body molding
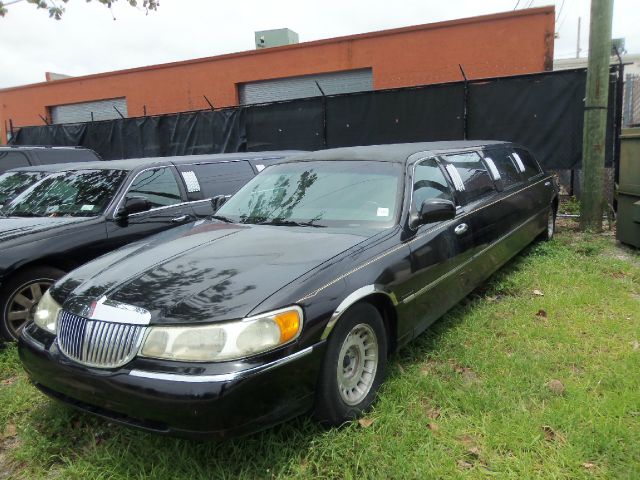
{"type": "Point", "coordinates": [352, 298]}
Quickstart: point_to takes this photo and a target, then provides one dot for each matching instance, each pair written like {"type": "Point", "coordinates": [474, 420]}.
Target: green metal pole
{"type": "Point", "coordinates": [595, 115]}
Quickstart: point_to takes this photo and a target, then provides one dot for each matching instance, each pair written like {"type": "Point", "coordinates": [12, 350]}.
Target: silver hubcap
{"type": "Point", "coordinates": [550, 225]}
{"type": "Point", "coordinates": [22, 305]}
{"type": "Point", "coordinates": [357, 364]}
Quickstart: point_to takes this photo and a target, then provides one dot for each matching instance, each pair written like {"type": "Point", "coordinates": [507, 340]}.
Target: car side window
{"type": "Point", "coordinates": [12, 160]}
{"type": "Point", "coordinates": [429, 182]}
{"type": "Point", "coordinates": [473, 176]}
{"type": "Point", "coordinates": [157, 185]}
{"type": "Point", "coordinates": [220, 178]}
{"type": "Point", "coordinates": [509, 173]}
{"type": "Point", "coordinates": [526, 163]}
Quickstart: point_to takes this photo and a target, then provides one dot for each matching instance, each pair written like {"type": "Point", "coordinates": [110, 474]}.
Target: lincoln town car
{"type": "Point", "coordinates": [292, 296]}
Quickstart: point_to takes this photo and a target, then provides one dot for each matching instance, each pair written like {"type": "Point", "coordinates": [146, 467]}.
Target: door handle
{"type": "Point", "coordinates": [462, 228]}
{"type": "Point", "coordinates": [180, 219]}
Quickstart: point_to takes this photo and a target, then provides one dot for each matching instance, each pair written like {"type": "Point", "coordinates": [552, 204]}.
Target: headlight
{"type": "Point", "coordinates": [47, 313]}
{"type": "Point", "coordinates": [224, 341]}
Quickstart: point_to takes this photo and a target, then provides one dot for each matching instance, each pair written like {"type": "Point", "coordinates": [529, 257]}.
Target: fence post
{"type": "Point", "coordinates": [324, 115]}
{"type": "Point", "coordinates": [465, 114]}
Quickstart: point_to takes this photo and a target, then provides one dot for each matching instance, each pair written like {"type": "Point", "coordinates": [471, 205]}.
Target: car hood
{"type": "Point", "coordinates": [12, 228]}
{"type": "Point", "coordinates": [203, 272]}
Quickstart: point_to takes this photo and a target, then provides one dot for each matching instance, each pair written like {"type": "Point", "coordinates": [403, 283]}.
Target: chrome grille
{"type": "Point", "coordinates": [96, 343]}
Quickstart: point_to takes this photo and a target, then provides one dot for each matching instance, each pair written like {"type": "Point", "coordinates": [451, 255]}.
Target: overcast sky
{"type": "Point", "coordinates": [88, 40]}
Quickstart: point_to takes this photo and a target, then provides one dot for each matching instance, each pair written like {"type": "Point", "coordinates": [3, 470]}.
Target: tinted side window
{"type": "Point", "coordinates": [509, 173]}
{"type": "Point", "coordinates": [530, 167]}
{"type": "Point", "coordinates": [221, 178]}
{"type": "Point", "coordinates": [474, 175]}
{"type": "Point", "coordinates": [12, 160]}
{"type": "Point", "coordinates": [429, 182]}
{"type": "Point", "coordinates": [52, 156]}
{"type": "Point", "coordinates": [159, 186]}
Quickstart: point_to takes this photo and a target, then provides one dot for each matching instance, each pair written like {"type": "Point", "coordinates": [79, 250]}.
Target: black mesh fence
{"type": "Point", "coordinates": [541, 111]}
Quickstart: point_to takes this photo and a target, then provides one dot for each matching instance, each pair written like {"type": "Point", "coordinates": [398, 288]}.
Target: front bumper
{"type": "Point", "coordinates": [183, 404]}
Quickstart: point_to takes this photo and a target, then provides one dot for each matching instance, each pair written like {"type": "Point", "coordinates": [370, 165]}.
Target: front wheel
{"type": "Point", "coordinates": [353, 367]}
{"type": "Point", "coordinates": [20, 296]}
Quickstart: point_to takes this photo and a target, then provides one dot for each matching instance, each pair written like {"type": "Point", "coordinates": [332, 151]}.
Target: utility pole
{"type": "Point", "coordinates": [595, 115]}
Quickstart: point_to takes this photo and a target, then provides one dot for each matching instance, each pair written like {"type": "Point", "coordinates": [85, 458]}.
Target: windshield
{"type": "Point", "coordinates": [14, 183]}
{"type": "Point", "coordinates": [329, 193]}
{"type": "Point", "coordinates": [77, 193]}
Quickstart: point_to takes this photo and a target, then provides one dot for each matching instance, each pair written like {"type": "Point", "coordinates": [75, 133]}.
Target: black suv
{"type": "Point", "coordinates": [79, 212]}
{"type": "Point", "coordinates": [25, 156]}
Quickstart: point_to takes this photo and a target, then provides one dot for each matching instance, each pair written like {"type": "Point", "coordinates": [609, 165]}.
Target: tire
{"type": "Point", "coordinates": [358, 334]}
{"type": "Point", "coordinates": [16, 311]}
{"type": "Point", "coordinates": [548, 233]}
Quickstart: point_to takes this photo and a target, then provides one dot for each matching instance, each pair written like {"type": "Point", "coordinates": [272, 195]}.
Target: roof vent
{"type": "Point", "coordinates": [275, 38]}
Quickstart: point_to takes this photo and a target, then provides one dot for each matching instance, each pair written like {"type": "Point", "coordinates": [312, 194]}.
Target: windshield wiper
{"type": "Point", "coordinates": [290, 223]}
{"type": "Point", "coordinates": [23, 214]}
{"type": "Point", "coordinates": [222, 218]}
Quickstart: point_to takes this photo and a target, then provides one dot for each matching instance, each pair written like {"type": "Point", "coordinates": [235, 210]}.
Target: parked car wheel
{"type": "Point", "coordinates": [20, 296]}
{"type": "Point", "coordinates": [353, 367]}
{"type": "Point", "coordinates": [551, 226]}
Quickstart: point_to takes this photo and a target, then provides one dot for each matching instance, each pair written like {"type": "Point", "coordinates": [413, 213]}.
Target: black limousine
{"type": "Point", "coordinates": [15, 158]}
{"type": "Point", "coordinates": [294, 295]}
{"type": "Point", "coordinates": [74, 213]}
{"type": "Point", "coordinates": [20, 156]}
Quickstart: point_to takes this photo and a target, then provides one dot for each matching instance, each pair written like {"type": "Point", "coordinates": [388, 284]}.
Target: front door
{"type": "Point", "coordinates": [437, 251]}
{"type": "Point", "coordinates": [168, 208]}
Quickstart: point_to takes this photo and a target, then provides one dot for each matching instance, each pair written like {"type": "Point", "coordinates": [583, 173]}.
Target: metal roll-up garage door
{"type": "Point", "coordinates": [305, 86]}
{"type": "Point", "coordinates": [81, 112]}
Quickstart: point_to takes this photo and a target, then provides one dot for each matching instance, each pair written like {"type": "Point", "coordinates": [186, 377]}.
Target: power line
{"type": "Point", "coordinates": [560, 11]}
{"type": "Point", "coordinates": [517, 3]}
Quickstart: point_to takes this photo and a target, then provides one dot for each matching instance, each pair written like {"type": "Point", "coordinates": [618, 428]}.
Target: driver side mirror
{"type": "Point", "coordinates": [218, 201]}
{"type": "Point", "coordinates": [133, 205]}
{"type": "Point", "coordinates": [434, 210]}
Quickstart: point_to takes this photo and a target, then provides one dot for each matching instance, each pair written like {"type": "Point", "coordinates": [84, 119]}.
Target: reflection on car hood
{"type": "Point", "coordinates": [205, 271]}
{"type": "Point", "coordinates": [17, 227]}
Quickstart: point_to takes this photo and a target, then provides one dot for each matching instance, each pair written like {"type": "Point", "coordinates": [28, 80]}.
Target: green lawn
{"type": "Point", "coordinates": [473, 397]}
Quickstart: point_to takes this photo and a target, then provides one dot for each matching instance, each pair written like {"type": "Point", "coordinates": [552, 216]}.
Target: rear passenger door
{"type": "Point", "coordinates": [207, 180]}
{"type": "Point", "coordinates": [163, 189]}
{"type": "Point", "coordinates": [511, 207]}
{"type": "Point", "coordinates": [539, 192]}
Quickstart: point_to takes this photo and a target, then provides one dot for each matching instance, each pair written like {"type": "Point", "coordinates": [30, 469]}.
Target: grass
{"type": "Point", "coordinates": [509, 384]}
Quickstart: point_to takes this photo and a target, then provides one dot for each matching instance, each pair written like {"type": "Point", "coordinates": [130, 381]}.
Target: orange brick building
{"type": "Point", "coordinates": [502, 44]}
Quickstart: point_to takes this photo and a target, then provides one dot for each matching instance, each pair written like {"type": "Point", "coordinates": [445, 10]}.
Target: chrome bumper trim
{"type": "Point", "coordinates": [223, 377]}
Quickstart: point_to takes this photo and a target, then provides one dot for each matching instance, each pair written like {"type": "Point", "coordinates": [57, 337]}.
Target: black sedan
{"type": "Point", "coordinates": [61, 216]}
{"type": "Point", "coordinates": [293, 298]}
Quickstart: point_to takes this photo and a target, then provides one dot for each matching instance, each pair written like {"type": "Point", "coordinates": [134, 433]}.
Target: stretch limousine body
{"type": "Point", "coordinates": [294, 294]}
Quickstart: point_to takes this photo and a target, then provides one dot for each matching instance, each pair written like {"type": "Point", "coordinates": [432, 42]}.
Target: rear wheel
{"type": "Point", "coordinates": [353, 367]}
{"type": "Point", "coordinates": [551, 226]}
{"type": "Point", "coordinates": [20, 296]}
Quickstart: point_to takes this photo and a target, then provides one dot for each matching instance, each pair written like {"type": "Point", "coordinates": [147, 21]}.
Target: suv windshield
{"type": "Point", "coordinates": [77, 193]}
{"type": "Point", "coordinates": [14, 183]}
{"type": "Point", "coordinates": [329, 193]}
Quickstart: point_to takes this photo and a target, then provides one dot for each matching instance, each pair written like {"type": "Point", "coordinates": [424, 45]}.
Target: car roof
{"type": "Point", "coordinates": [136, 163]}
{"type": "Point", "coordinates": [7, 148]}
{"type": "Point", "coordinates": [397, 153]}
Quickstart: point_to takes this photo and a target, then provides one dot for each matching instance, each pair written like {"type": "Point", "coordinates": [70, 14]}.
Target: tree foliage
{"type": "Point", "coordinates": [56, 11]}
